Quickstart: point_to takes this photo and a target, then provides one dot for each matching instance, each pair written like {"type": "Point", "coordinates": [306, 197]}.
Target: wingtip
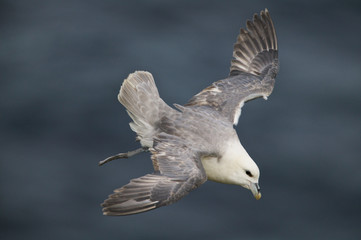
{"type": "Point", "coordinates": [266, 11]}
{"type": "Point", "coordinates": [256, 47]}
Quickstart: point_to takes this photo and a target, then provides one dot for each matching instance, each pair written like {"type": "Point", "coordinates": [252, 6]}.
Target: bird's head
{"type": "Point", "coordinates": [235, 166]}
{"type": "Point", "coordinates": [243, 170]}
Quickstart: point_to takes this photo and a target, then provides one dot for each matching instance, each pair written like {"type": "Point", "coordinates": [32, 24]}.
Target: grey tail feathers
{"type": "Point", "coordinates": [139, 95]}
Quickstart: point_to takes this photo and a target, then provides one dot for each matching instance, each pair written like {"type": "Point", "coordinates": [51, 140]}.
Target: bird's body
{"type": "Point", "coordinates": [197, 141]}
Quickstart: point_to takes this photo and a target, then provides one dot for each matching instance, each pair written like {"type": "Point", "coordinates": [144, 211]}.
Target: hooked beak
{"type": "Point", "coordinates": [256, 190]}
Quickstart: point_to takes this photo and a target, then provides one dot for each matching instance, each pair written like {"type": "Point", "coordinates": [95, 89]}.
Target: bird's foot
{"type": "Point", "coordinates": [123, 155]}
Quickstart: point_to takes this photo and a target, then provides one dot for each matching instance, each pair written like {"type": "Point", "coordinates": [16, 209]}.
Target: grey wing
{"type": "Point", "coordinates": [252, 73]}
{"type": "Point", "coordinates": [178, 171]}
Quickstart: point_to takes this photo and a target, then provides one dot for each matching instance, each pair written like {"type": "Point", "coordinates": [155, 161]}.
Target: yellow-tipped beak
{"type": "Point", "coordinates": [258, 196]}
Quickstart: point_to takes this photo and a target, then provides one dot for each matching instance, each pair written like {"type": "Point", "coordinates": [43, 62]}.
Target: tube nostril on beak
{"type": "Point", "coordinates": [258, 187]}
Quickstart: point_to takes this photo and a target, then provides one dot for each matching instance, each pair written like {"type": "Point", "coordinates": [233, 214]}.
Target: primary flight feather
{"type": "Point", "coordinates": [197, 141]}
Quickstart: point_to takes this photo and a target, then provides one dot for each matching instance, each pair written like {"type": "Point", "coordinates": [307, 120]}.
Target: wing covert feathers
{"type": "Point", "coordinates": [177, 172]}
{"type": "Point", "coordinates": [252, 74]}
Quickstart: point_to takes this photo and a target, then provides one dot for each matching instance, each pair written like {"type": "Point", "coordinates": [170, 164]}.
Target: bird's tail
{"type": "Point", "coordinates": [139, 95]}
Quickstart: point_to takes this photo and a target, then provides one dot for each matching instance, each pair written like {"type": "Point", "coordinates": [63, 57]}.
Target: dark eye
{"type": "Point", "coordinates": [249, 173]}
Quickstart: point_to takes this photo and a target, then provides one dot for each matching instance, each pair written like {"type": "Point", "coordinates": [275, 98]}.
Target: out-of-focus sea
{"type": "Point", "coordinates": [61, 66]}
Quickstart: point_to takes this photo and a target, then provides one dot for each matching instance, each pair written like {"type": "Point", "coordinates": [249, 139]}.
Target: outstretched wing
{"type": "Point", "coordinates": [178, 171]}
{"type": "Point", "coordinates": [253, 70]}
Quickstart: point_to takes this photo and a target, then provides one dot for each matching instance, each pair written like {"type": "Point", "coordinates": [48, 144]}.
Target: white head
{"type": "Point", "coordinates": [234, 167]}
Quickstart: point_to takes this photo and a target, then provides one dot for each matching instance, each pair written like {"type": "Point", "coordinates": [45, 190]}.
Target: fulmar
{"type": "Point", "coordinates": [196, 141]}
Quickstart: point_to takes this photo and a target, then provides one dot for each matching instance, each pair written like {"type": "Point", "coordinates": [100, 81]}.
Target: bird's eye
{"type": "Point", "coordinates": [249, 173]}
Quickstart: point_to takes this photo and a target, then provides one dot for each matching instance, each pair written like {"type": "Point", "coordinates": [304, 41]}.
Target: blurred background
{"type": "Point", "coordinates": [61, 66]}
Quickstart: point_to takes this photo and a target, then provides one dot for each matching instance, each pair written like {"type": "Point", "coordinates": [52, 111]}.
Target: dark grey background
{"type": "Point", "coordinates": [61, 66]}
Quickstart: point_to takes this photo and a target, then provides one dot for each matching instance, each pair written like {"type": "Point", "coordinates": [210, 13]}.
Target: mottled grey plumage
{"type": "Point", "coordinates": [197, 141]}
{"type": "Point", "coordinates": [253, 70]}
{"type": "Point", "coordinates": [177, 172]}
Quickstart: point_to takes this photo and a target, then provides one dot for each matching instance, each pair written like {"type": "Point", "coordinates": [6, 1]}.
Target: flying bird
{"type": "Point", "coordinates": [196, 141]}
